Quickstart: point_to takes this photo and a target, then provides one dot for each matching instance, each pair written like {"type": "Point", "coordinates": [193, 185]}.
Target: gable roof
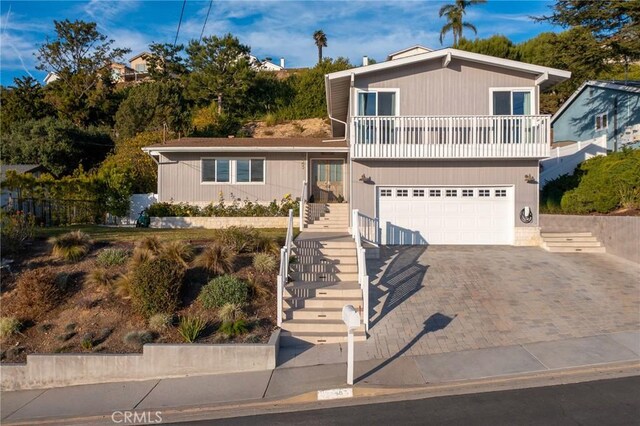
{"type": "Point", "coordinates": [20, 169]}
{"type": "Point", "coordinates": [631, 87]}
{"type": "Point", "coordinates": [399, 52]}
{"type": "Point", "coordinates": [247, 144]}
{"type": "Point", "coordinates": [145, 53]}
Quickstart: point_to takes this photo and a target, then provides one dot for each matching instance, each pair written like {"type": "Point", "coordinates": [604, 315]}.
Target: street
{"type": "Point", "coordinates": [605, 402]}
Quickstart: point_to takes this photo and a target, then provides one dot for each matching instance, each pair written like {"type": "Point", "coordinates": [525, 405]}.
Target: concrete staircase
{"type": "Point", "coordinates": [327, 217]}
{"type": "Point", "coordinates": [324, 279]}
{"type": "Point", "coordinates": [571, 242]}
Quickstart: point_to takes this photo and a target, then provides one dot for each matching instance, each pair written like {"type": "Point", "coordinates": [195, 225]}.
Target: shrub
{"type": "Point", "coordinates": [190, 328]}
{"type": "Point", "coordinates": [217, 258]}
{"type": "Point", "coordinates": [172, 210]}
{"type": "Point", "coordinates": [99, 277]}
{"type": "Point", "coordinates": [9, 326]}
{"type": "Point", "coordinates": [178, 251]}
{"type": "Point", "coordinates": [230, 312]}
{"type": "Point", "coordinates": [71, 246]}
{"type": "Point", "coordinates": [241, 238]}
{"type": "Point", "coordinates": [138, 338]}
{"type": "Point", "coordinates": [222, 290]}
{"type": "Point", "coordinates": [112, 257]}
{"type": "Point", "coordinates": [267, 244]}
{"type": "Point", "coordinates": [140, 255]}
{"type": "Point", "coordinates": [122, 285]}
{"type": "Point", "coordinates": [264, 263]}
{"type": "Point", "coordinates": [151, 243]}
{"type": "Point", "coordinates": [160, 321]}
{"type": "Point", "coordinates": [234, 328]}
{"type": "Point", "coordinates": [37, 292]}
{"type": "Point", "coordinates": [87, 342]}
{"type": "Point", "coordinates": [15, 229]}
{"type": "Point", "coordinates": [271, 119]}
{"type": "Point", "coordinates": [155, 286]}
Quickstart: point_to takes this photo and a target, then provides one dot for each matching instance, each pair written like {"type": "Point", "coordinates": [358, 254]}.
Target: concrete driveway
{"type": "Point", "coordinates": [437, 299]}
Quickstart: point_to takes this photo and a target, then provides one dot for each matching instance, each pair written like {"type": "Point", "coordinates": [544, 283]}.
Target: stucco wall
{"type": "Point", "coordinates": [619, 234]}
{"type": "Point", "coordinates": [490, 172]}
{"type": "Point", "coordinates": [157, 361]}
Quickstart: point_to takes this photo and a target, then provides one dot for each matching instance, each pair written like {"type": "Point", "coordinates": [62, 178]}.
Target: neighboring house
{"type": "Point", "coordinates": [8, 197]}
{"type": "Point", "coordinates": [441, 147]}
{"type": "Point", "coordinates": [120, 73]}
{"type": "Point", "coordinates": [409, 51]}
{"type": "Point", "coordinates": [50, 78]}
{"type": "Point", "coordinates": [265, 65]}
{"type": "Point", "coordinates": [599, 108]}
{"type": "Point", "coordinates": [139, 63]}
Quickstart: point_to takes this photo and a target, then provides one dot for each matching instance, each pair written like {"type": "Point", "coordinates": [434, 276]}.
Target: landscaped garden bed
{"type": "Point", "coordinates": [111, 290]}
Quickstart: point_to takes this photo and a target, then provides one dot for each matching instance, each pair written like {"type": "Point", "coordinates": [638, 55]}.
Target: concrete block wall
{"type": "Point", "coordinates": [221, 222]}
{"type": "Point", "coordinates": [619, 234]}
{"type": "Point", "coordinates": [157, 361]}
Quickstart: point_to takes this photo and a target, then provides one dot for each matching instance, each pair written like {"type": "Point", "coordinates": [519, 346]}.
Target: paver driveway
{"type": "Point", "coordinates": [450, 298]}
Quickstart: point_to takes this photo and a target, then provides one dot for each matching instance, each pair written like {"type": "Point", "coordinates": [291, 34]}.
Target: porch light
{"type": "Point", "coordinates": [529, 178]}
{"type": "Point", "coordinates": [365, 179]}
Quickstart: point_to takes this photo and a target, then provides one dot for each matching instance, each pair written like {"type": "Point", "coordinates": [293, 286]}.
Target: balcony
{"type": "Point", "coordinates": [450, 137]}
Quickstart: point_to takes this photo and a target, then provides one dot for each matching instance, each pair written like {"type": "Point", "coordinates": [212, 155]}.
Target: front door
{"type": "Point", "coordinates": [326, 181]}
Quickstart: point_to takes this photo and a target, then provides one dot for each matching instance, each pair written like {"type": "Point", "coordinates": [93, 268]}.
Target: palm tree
{"type": "Point", "coordinates": [454, 13]}
{"type": "Point", "coordinates": [321, 41]}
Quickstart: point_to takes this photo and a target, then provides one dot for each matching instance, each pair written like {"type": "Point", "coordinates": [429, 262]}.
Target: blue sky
{"type": "Point", "coordinates": [272, 28]}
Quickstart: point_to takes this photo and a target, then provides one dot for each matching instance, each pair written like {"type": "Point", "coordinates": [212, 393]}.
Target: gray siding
{"type": "Point", "coordinates": [505, 172]}
{"type": "Point", "coordinates": [462, 88]}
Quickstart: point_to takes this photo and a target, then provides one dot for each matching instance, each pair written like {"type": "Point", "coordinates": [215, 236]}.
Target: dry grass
{"type": "Point", "coordinates": [217, 258]}
{"type": "Point", "coordinates": [37, 292]}
{"type": "Point", "coordinates": [72, 246]}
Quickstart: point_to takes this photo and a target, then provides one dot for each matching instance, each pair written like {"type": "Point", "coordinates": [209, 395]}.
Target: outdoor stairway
{"type": "Point", "coordinates": [322, 217]}
{"type": "Point", "coordinates": [571, 242]}
{"type": "Point", "coordinates": [324, 278]}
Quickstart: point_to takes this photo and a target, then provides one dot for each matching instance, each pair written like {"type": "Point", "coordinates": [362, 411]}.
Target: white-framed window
{"type": "Point", "coordinates": [232, 170]}
{"type": "Point", "coordinates": [386, 193]}
{"type": "Point", "coordinates": [484, 193]}
{"type": "Point", "coordinates": [141, 67]}
{"type": "Point", "coordinates": [601, 121]}
{"type": "Point", "coordinates": [511, 100]}
{"type": "Point", "coordinates": [434, 193]}
{"type": "Point", "coordinates": [418, 192]}
{"type": "Point", "coordinates": [467, 192]}
{"type": "Point", "coordinates": [451, 193]}
{"type": "Point", "coordinates": [402, 192]}
{"type": "Point", "coordinates": [500, 192]}
{"type": "Point", "coordinates": [378, 102]}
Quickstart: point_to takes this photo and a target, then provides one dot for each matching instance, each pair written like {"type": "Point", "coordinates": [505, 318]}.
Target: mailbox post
{"type": "Point", "coordinates": [351, 319]}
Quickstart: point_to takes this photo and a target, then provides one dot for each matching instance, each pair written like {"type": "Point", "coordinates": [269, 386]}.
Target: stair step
{"type": "Point", "coordinates": [323, 289]}
{"type": "Point", "coordinates": [314, 313]}
{"type": "Point", "coordinates": [325, 267]}
{"type": "Point", "coordinates": [341, 251]}
{"type": "Point", "coordinates": [323, 302]}
{"type": "Point", "coordinates": [554, 239]}
{"type": "Point", "coordinates": [318, 259]}
{"type": "Point", "coordinates": [297, 339]}
{"type": "Point", "coordinates": [324, 244]}
{"type": "Point", "coordinates": [565, 234]}
{"type": "Point", "coordinates": [324, 276]}
{"type": "Point", "coordinates": [572, 243]}
{"type": "Point", "coordinates": [576, 249]}
{"type": "Point", "coordinates": [322, 325]}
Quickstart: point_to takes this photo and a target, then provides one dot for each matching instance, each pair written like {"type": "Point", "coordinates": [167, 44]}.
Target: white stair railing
{"type": "Point", "coordinates": [303, 203]}
{"type": "Point", "coordinates": [283, 274]}
{"type": "Point", "coordinates": [363, 278]}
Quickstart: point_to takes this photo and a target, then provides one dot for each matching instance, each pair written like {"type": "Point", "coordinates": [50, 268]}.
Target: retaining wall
{"type": "Point", "coordinates": [619, 234]}
{"type": "Point", "coordinates": [221, 222]}
{"type": "Point", "coordinates": [157, 361]}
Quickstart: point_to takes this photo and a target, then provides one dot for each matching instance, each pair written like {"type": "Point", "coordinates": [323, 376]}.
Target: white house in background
{"type": "Point", "coordinates": [409, 51]}
{"type": "Point", "coordinates": [566, 157]}
{"type": "Point", "coordinates": [50, 78]}
{"type": "Point", "coordinates": [265, 65]}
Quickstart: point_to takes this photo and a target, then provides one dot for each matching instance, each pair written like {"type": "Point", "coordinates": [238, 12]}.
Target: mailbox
{"type": "Point", "coordinates": [350, 317]}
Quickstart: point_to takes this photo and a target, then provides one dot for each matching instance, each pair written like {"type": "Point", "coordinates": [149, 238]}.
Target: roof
{"type": "Point", "coordinates": [337, 84]}
{"type": "Point", "coordinates": [248, 144]}
{"type": "Point", "coordinates": [19, 168]}
{"type": "Point", "coordinates": [630, 86]}
{"type": "Point", "coordinates": [145, 53]}
{"type": "Point", "coordinates": [417, 46]}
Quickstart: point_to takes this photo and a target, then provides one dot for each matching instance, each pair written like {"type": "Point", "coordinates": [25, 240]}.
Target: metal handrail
{"type": "Point", "coordinates": [283, 274]}
{"type": "Point", "coordinates": [363, 278]}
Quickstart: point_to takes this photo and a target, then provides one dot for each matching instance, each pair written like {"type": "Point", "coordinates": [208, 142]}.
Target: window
{"type": "Point", "coordinates": [382, 103]}
{"type": "Point", "coordinates": [385, 193]}
{"type": "Point", "coordinates": [141, 67]}
{"type": "Point", "coordinates": [601, 121]}
{"type": "Point", "coordinates": [467, 192]}
{"type": "Point", "coordinates": [418, 192]}
{"type": "Point", "coordinates": [402, 192]}
{"type": "Point", "coordinates": [484, 193]}
{"type": "Point", "coordinates": [225, 170]}
{"type": "Point", "coordinates": [501, 193]}
{"type": "Point", "coordinates": [434, 193]}
{"type": "Point", "coordinates": [512, 101]}
{"type": "Point", "coordinates": [452, 192]}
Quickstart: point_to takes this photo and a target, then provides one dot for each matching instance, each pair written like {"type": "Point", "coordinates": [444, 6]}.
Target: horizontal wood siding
{"type": "Point", "coordinates": [478, 172]}
{"type": "Point", "coordinates": [462, 88]}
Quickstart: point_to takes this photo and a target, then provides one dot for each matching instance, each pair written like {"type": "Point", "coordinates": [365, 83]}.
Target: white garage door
{"type": "Point", "coordinates": [446, 215]}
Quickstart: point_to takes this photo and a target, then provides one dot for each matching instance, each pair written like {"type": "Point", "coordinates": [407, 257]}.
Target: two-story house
{"type": "Point", "coordinates": [437, 147]}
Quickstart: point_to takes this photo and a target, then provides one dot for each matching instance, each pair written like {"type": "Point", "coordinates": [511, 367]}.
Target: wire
{"type": "Point", "coordinates": [206, 19]}
{"type": "Point", "coordinates": [184, 2]}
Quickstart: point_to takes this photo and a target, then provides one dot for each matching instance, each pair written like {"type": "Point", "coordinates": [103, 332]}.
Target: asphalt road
{"type": "Point", "coordinates": [605, 402]}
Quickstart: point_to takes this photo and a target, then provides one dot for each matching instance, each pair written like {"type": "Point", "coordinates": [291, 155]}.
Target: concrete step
{"type": "Point", "coordinates": [323, 302]}
{"type": "Point", "coordinates": [576, 249]}
{"type": "Point", "coordinates": [318, 258]}
{"type": "Point", "coordinates": [314, 313]}
{"type": "Point", "coordinates": [322, 325]}
{"type": "Point", "coordinates": [565, 234]}
{"type": "Point", "coordinates": [572, 243]}
{"type": "Point", "coordinates": [331, 220]}
{"type": "Point", "coordinates": [288, 339]}
{"type": "Point", "coordinates": [325, 267]}
{"type": "Point", "coordinates": [324, 276]}
{"type": "Point", "coordinates": [326, 245]}
{"type": "Point", "coordinates": [350, 289]}
{"type": "Point", "coordinates": [341, 251]}
{"type": "Point", "coordinates": [556, 239]}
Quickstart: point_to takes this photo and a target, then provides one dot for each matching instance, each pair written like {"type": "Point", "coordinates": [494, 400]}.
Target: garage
{"type": "Point", "coordinates": [446, 215]}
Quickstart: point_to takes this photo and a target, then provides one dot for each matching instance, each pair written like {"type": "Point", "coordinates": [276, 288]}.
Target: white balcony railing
{"type": "Point", "coordinates": [492, 136]}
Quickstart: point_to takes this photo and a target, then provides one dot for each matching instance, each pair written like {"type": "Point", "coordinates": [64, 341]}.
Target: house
{"type": "Point", "coordinates": [409, 51]}
{"type": "Point", "coordinates": [139, 63]}
{"type": "Point", "coordinates": [597, 108]}
{"type": "Point", "coordinates": [440, 147]}
{"type": "Point", "coordinates": [266, 64]}
{"type": "Point", "coordinates": [120, 73]}
{"type": "Point", "coordinates": [50, 78]}
{"type": "Point", "coordinates": [8, 198]}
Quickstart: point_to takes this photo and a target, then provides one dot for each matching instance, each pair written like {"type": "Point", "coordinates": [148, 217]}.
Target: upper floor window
{"type": "Point", "coordinates": [141, 67]}
{"type": "Point", "coordinates": [377, 102]}
{"type": "Point", "coordinates": [517, 101]}
{"type": "Point", "coordinates": [601, 121]}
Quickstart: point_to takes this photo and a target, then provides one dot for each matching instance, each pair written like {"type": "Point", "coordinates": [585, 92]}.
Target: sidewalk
{"type": "Point", "coordinates": [299, 373]}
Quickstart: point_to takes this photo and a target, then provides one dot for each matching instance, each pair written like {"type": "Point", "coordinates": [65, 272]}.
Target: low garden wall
{"type": "Point", "coordinates": [221, 222]}
{"type": "Point", "coordinates": [619, 234]}
{"type": "Point", "coordinates": [157, 361]}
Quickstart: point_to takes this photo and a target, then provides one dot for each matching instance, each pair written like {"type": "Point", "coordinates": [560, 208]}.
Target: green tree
{"type": "Point", "coordinates": [320, 39]}
{"type": "Point", "coordinates": [220, 71]}
{"type": "Point", "coordinates": [23, 101]}
{"type": "Point", "coordinates": [151, 106]}
{"type": "Point", "coordinates": [455, 19]}
{"type": "Point", "coordinates": [497, 45]}
{"type": "Point", "coordinates": [80, 56]}
{"type": "Point", "coordinates": [165, 61]}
